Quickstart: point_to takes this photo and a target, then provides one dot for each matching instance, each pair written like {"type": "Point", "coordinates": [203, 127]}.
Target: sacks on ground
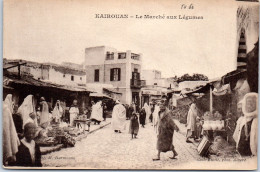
{"type": "Point", "coordinates": [220, 147]}
{"type": "Point", "coordinates": [68, 140]}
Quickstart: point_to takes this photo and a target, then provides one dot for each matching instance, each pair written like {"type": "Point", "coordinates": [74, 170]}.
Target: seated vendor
{"type": "Point", "coordinates": [29, 154]}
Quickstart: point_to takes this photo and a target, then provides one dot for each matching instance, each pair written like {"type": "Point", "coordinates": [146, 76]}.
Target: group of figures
{"type": "Point", "coordinates": [19, 130]}
{"type": "Point", "coordinates": [245, 134]}
{"type": "Point", "coordinates": [21, 126]}
{"type": "Point", "coordinates": [161, 120]}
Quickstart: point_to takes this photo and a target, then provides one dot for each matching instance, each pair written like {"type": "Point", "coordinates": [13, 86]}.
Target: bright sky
{"type": "Point", "coordinates": [60, 30]}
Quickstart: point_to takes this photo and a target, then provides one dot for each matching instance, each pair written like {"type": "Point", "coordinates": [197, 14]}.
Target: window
{"type": "Point", "coordinates": [135, 75]}
{"type": "Point", "coordinates": [64, 75]}
{"type": "Point", "coordinates": [135, 56]}
{"type": "Point", "coordinates": [121, 55]}
{"type": "Point", "coordinates": [115, 74]}
{"type": "Point", "coordinates": [72, 77]}
{"type": "Point", "coordinates": [80, 78]}
{"type": "Point", "coordinates": [96, 77]}
{"type": "Point", "coordinates": [110, 56]}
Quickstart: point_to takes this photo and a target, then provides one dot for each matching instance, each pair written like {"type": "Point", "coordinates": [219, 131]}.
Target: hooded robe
{"type": "Point", "coordinates": [44, 118]}
{"type": "Point", "coordinates": [57, 112]}
{"type": "Point", "coordinates": [118, 117]}
{"type": "Point", "coordinates": [97, 112]}
{"type": "Point", "coordinates": [26, 108]}
{"type": "Point", "coordinates": [245, 134]}
{"type": "Point", "coordinates": [156, 117]}
{"type": "Point", "coordinates": [10, 138]}
{"type": "Point", "coordinates": [148, 112]}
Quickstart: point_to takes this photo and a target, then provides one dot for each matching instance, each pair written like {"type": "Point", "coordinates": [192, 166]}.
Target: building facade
{"type": "Point", "coordinates": [52, 81]}
{"type": "Point", "coordinates": [122, 70]}
{"type": "Point", "coordinates": [156, 86]}
{"type": "Point", "coordinates": [58, 74]}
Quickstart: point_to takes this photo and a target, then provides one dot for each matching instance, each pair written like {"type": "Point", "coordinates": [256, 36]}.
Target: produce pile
{"type": "Point", "coordinates": [220, 147]}
{"type": "Point", "coordinates": [56, 134]}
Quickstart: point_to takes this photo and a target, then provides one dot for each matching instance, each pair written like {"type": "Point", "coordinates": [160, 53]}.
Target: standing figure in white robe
{"type": "Point", "coordinates": [118, 117]}
{"type": "Point", "coordinates": [148, 112]}
{"type": "Point", "coordinates": [57, 112]}
{"type": "Point", "coordinates": [97, 113]}
{"type": "Point", "coordinates": [45, 116]}
{"type": "Point", "coordinates": [156, 117]}
{"type": "Point", "coordinates": [74, 112]}
{"type": "Point", "coordinates": [26, 109]}
{"type": "Point", "coordinates": [10, 138]}
{"type": "Point", "coordinates": [191, 123]}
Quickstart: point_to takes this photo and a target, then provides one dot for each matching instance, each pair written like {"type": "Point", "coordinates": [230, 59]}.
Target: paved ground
{"type": "Point", "coordinates": [108, 150]}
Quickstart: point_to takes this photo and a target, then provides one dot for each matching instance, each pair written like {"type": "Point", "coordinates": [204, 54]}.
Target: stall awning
{"type": "Point", "coordinates": [27, 80]}
{"type": "Point", "coordinates": [234, 76]}
{"type": "Point", "coordinates": [111, 90]}
{"type": "Point", "coordinates": [174, 91]}
{"type": "Point", "coordinates": [99, 95]}
{"type": "Point", "coordinates": [203, 89]}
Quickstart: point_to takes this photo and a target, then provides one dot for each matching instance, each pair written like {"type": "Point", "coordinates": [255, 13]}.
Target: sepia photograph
{"type": "Point", "coordinates": [130, 85]}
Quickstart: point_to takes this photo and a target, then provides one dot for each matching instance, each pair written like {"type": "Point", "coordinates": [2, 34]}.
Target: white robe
{"type": "Point", "coordinates": [44, 118]}
{"type": "Point", "coordinates": [148, 112]}
{"type": "Point", "coordinates": [248, 116]}
{"type": "Point", "coordinates": [57, 113]}
{"type": "Point", "coordinates": [74, 111]}
{"type": "Point", "coordinates": [97, 112]}
{"type": "Point", "coordinates": [118, 117]}
{"type": "Point", "coordinates": [10, 138]}
{"type": "Point", "coordinates": [26, 108]}
{"type": "Point", "coordinates": [191, 118]}
{"type": "Point", "coordinates": [156, 117]}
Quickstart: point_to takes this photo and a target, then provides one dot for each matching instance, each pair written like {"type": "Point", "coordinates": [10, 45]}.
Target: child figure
{"type": "Point", "coordinates": [134, 125]}
{"type": "Point", "coordinates": [29, 154]}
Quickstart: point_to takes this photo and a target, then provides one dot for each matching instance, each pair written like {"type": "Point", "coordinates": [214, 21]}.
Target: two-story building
{"type": "Point", "coordinates": [122, 70]}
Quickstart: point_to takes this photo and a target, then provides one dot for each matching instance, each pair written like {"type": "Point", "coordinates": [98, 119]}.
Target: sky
{"type": "Point", "coordinates": [60, 30]}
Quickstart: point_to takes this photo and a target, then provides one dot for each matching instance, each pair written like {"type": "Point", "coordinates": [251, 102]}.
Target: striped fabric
{"type": "Point", "coordinates": [241, 57]}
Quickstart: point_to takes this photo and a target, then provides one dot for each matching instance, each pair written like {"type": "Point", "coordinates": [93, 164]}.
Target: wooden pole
{"type": "Point", "coordinates": [211, 100]}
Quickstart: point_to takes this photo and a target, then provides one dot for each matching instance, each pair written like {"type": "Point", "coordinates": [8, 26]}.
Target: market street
{"type": "Point", "coordinates": [109, 150]}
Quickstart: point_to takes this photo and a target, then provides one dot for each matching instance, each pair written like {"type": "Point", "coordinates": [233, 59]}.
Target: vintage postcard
{"type": "Point", "coordinates": [133, 84]}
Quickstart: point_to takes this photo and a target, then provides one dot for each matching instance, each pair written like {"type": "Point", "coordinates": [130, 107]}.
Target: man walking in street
{"type": "Point", "coordinates": [165, 131]}
{"type": "Point", "coordinates": [118, 117]}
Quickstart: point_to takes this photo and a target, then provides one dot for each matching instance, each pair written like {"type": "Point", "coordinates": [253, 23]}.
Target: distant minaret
{"type": "Point", "coordinates": [241, 56]}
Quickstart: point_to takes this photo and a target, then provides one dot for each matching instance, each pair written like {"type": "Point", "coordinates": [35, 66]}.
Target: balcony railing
{"type": "Point", "coordinates": [136, 83]}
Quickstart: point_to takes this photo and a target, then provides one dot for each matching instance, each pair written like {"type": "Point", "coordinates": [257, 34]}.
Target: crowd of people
{"type": "Point", "coordinates": [21, 125]}
{"type": "Point", "coordinates": [159, 116]}
{"type": "Point", "coordinates": [19, 147]}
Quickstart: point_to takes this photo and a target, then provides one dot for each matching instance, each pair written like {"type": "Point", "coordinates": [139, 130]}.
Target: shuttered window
{"type": "Point", "coordinates": [96, 77]}
{"type": "Point", "coordinates": [115, 74]}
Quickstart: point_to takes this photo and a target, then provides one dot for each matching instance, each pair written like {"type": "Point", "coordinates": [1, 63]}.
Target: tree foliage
{"type": "Point", "coordinates": [194, 77]}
